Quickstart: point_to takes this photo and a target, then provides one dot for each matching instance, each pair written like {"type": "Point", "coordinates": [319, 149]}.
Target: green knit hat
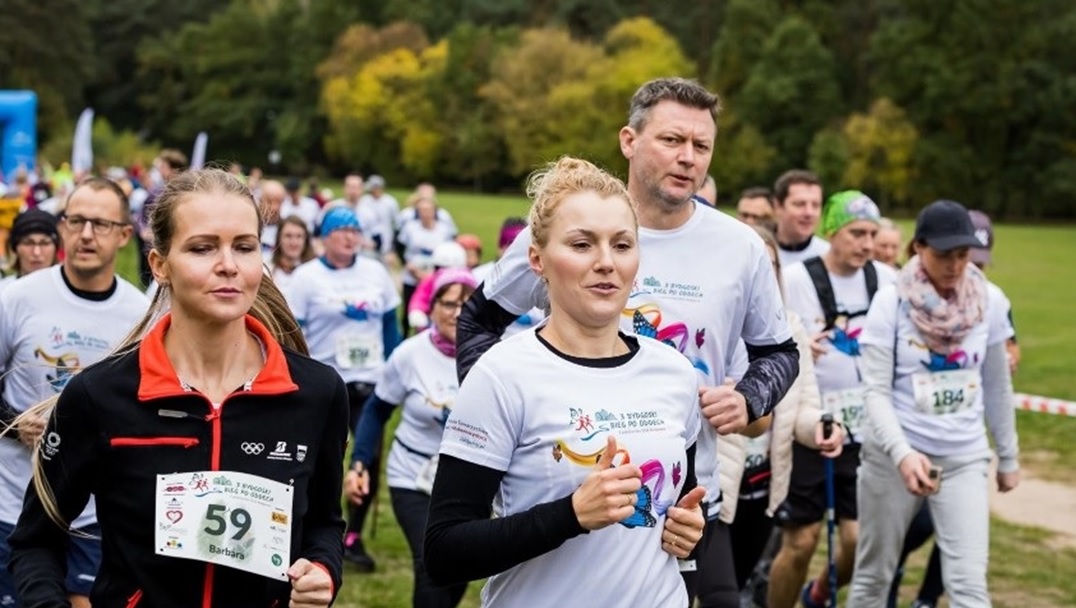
{"type": "Point", "coordinates": [843, 208]}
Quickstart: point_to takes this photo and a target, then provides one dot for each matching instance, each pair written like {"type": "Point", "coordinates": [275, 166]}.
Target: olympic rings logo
{"type": "Point", "coordinates": [252, 449]}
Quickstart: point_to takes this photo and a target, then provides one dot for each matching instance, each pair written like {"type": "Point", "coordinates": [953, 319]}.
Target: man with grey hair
{"type": "Point", "coordinates": [702, 310]}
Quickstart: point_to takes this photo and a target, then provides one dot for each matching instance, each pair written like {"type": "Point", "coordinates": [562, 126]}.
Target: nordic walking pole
{"type": "Point", "coordinates": [831, 514]}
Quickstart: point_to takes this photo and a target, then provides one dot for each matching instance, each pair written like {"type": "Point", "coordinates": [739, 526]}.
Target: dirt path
{"type": "Point", "coordinates": [1036, 502]}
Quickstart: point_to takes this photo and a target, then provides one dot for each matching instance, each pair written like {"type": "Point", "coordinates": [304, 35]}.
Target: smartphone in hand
{"type": "Point", "coordinates": [935, 476]}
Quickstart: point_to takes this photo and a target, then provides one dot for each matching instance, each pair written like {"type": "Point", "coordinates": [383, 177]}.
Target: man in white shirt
{"type": "Point", "coordinates": [55, 322]}
{"type": "Point", "coordinates": [832, 294]}
{"type": "Point", "coordinates": [798, 197]}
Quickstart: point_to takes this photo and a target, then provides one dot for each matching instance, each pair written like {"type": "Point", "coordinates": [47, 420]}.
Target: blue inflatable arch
{"type": "Point", "coordinates": [18, 131]}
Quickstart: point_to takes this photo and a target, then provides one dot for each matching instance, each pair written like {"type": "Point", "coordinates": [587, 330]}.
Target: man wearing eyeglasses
{"type": "Point", "coordinates": [755, 207]}
{"type": "Point", "coordinates": [53, 323]}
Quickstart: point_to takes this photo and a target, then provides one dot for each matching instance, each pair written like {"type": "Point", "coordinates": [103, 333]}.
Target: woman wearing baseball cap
{"type": "Point", "coordinates": [936, 370]}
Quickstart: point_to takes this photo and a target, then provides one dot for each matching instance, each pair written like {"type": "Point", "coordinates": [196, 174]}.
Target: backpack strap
{"type": "Point", "coordinates": [870, 273]}
{"type": "Point", "coordinates": [822, 286]}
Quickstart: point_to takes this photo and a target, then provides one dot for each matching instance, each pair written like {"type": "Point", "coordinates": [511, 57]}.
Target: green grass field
{"type": "Point", "coordinates": [1036, 266]}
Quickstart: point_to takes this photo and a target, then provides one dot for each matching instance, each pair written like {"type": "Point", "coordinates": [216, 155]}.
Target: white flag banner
{"type": "Point", "coordinates": [198, 156]}
{"type": "Point", "coordinates": [82, 146]}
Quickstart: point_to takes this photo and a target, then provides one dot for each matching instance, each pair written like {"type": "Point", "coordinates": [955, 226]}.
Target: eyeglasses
{"type": "Point", "coordinates": [451, 306]}
{"type": "Point", "coordinates": [36, 244]}
{"type": "Point", "coordinates": [101, 227]}
{"type": "Point", "coordinates": [747, 216]}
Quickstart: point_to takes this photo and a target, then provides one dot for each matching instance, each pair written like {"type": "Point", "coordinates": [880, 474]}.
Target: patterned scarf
{"type": "Point", "coordinates": [443, 344]}
{"type": "Point", "coordinates": [943, 322]}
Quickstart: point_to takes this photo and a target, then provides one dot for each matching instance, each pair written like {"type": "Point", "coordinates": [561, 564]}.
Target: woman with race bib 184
{"type": "Point", "coordinates": [935, 368]}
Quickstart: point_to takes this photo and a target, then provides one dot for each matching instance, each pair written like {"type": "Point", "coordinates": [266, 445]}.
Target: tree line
{"type": "Point", "coordinates": [908, 100]}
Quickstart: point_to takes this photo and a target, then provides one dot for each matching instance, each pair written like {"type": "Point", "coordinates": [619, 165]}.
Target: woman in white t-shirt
{"type": "Point", "coordinates": [293, 248]}
{"type": "Point", "coordinates": [420, 376]}
{"type": "Point", "coordinates": [580, 436]}
{"type": "Point", "coordinates": [935, 368]}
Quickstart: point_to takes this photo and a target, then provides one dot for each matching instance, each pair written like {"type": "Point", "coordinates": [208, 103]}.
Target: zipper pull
{"type": "Point", "coordinates": [172, 414]}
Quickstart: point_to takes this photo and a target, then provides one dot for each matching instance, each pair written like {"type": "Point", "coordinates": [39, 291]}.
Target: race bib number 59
{"type": "Point", "coordinates": [221, 517]}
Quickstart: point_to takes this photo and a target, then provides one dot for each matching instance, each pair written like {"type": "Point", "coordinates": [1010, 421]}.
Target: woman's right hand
{"type": "Point", "coordinates": [915, 471]}
{"type": "Point", "coordinates": [357, 485]}
{"type": "Point", "coordinates": [608, 494]}
{"type": "Point", "coordinates": [30, 429]}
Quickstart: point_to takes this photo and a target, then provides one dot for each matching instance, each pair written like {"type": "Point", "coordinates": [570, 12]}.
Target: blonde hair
{"type": "Point", "coordinates": [885, 223]}
{"type": "Point", "coordinates": [550, 185]}
{"type": "Point", "coordinates": [269, 307]}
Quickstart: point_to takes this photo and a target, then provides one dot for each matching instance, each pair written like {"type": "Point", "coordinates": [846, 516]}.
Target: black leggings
{"type": "Point", "coordinates": [405, 323]}
{"type": "Point", "coordinates": [411, 509]}
{"type": "Point", "coordinates": [749, 532]}
{"type": "Point", "coordinates": [357, 394]}
{"type": "Point", "coordinates": [714, 581]}
{"type": "Point", "coordinates": [919, 532]}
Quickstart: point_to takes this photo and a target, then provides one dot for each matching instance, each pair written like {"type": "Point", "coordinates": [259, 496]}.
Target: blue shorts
{"type": "Point", "coordinates": [83, 560]}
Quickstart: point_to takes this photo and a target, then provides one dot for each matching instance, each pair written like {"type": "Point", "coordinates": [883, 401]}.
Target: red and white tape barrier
{"type": "Point", "coordinates": [1046, 405]}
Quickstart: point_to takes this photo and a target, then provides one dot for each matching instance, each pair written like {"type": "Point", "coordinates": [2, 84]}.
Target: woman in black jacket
{"type": "Point", "coordinates": [206, 402]}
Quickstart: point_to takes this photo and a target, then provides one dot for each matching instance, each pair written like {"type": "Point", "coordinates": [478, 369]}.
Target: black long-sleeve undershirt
{"type": "Point", "coordinates": [463, 543]}
{"type": "Point", "coordinates": [478, 328]}
{"type": "Point", "coordinates": [770, 374]}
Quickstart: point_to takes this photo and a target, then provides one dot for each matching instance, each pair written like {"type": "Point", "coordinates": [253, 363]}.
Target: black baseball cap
{"type": "Point", "coordinates": [945, 225]}
{"type": "Point", "coordinates": [984, 232]}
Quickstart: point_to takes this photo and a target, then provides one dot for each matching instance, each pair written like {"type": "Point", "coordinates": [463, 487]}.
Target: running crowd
{"type": "Point", "coordinates": [182, 442]}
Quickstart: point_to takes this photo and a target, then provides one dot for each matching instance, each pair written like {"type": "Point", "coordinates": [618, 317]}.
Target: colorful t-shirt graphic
{"type": "Point", "coordinates": [840, 379]}
{"type": "Point", "coordinates": [937, 397]}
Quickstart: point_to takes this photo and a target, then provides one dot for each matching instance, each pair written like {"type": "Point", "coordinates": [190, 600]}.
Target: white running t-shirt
{"type": "Point", "coordinates": [544, 421]}
{"type": "Point", "coordinates": [342, 314]}
{"type": "Point", "coordinates": [422, 380]}
{"type": "Point", "coordinates": [47, 333]}
{"type": "Point", "coordinates": [839, 377]}
{"type": "Point", "coordinates": [938, 398]}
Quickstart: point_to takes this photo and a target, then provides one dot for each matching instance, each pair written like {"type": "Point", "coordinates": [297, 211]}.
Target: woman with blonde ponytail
{"type": "Point", "coordinates": [211, 443]}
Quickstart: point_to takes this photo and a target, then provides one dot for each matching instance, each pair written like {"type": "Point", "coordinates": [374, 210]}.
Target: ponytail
{"type": "Point", "coordinates": [272, 310]}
